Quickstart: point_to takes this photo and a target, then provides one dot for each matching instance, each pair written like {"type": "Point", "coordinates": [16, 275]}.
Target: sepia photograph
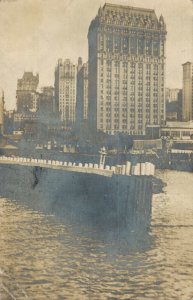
{"type": "Point", "coordinates": [96, 149]}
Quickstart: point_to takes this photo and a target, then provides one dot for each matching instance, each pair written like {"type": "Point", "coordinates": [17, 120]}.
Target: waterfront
{"type": "Point", "coordinates": [43, 258]}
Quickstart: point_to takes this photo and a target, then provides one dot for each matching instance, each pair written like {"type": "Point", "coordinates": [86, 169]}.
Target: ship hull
{"type": "Point", "coordinates": [102, 202]}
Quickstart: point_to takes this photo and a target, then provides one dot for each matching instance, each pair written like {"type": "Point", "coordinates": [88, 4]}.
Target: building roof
{"type": "Point", "coordinates": [180, 125]}
{"type": "Point", "coordinates": [187, 63]}
{"type": "Point", "coordinates": [9, 147]}
{"type": "Point", "coordinates": [130, 16]}
{"type": "Point", "coordinates": [29, 76]}
{"type": "Point", "coordinates": [126, 7]}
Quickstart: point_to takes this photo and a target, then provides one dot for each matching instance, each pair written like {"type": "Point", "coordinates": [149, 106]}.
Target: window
{"type": "Point", "coordinates": [109, 43]}
{"type": "Point", "coordinates": [156, 48]}
{"type": "Point", "coordinates": [148, 47]}
{"type": "Point", "coordinates": [125, 44]}
{"type": "Point", "coordinates": [133, 45]}
{"type": "Point", "coordinates": [140, 46]}
{"type": "Point", "coordinates": [117, 43]}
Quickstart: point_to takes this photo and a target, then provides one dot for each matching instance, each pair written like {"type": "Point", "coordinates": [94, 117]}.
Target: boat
{"type": "Point", "coordinates": [96, 196]}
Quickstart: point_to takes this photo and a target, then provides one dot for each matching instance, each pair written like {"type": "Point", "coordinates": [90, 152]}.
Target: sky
{"type": "Point", "coordinates": [34, 34]}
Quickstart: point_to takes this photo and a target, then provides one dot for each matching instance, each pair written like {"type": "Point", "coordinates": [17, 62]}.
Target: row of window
{"type": "Point", "coordinates": [132, 65]}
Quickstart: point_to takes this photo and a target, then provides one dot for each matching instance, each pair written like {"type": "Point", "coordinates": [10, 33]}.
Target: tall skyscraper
{"type": "Point", "coordinates": [187, 94]}
{"type": "Point", "coordinates": [82, 94]}
{"type": "Point", "coordinates": [26, 92]}
{"type": "Point", "coordinates": [1, 112]}
{"type": "Point", "coordinates": [65, 90]}
{"type": "Point", "coordinates": [126, 69]}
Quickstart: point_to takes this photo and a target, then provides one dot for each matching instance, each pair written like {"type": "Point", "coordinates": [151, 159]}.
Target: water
{"type": "Point", "coordinates": [42, 258]}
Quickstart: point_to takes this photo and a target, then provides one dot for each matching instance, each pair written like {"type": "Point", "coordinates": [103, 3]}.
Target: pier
{"type": "Point", "coordinates": [140, 169]}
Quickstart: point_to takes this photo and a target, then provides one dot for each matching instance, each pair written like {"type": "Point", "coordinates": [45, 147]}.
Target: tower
{"type": "Point", "coordinates": [187, 95]}
{"type": "Point", "coordinates": [65, 90]}
{"type": "Point", "coordinates": [126, 69]}
{"type": "Point", "coordinates": [82, 94]}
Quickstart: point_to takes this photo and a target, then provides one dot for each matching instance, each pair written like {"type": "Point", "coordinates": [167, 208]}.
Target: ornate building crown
{"type": "Point", "coordinates": [128, 16]}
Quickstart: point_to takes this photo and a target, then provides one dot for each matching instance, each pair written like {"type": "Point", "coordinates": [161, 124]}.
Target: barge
{"type": "Point", "coordinates": [97, 196]}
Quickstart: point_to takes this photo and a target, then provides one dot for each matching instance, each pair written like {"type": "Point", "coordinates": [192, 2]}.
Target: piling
{"type": "Point", "coordinates": [128, 168]}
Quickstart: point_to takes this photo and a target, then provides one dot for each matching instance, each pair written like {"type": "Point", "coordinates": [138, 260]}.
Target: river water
{"type": "Point", "coordinates": [43, 258]}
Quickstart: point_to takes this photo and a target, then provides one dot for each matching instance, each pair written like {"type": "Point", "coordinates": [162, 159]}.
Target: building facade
{"type": "Point", "coordinates": [187, 95]}
{"type": "Point", "coordinates": [46, 100]}
{"type": "Point", "coordinates": [178, 130]}
{"type": "Point", "coordinates": [174, 107]}
{"type": "Point", "coordinates": [26, 92]}
{"type": "Point", "coordinates": [65, 90]}
{"type": "Point", "coordinates": [126, 69]}
{"type": "Point", "coordinates": [82, 94]}
{"type": "Point", "coordinates": [8, 121]}
{"type": "Point", "coordinates": [171, 94]}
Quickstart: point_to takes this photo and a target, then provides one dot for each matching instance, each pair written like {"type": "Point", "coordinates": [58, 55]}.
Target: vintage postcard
{"type": "Point", "coordinates": [96, 149]}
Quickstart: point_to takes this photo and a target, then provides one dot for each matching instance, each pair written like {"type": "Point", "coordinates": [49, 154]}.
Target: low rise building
{"type": "Point", "coordinates": [178, 130]}
{"type": "Point", "coordinates": [147, 144]}
{"type": "Point", "coordinates": [173, 130]}
{"type": "Point", "coordinates": [171, 116]}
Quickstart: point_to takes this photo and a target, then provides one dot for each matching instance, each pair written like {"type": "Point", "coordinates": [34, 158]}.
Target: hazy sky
{"type": "Point", "coordinates": [35, 33]}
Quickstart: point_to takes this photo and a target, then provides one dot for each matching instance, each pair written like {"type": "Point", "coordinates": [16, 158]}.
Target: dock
{"type": "Point", "coordinates": [140, 169]}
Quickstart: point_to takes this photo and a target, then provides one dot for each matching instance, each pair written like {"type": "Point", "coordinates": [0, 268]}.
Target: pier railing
{"type": "Point", "coordinates": [140, 169]}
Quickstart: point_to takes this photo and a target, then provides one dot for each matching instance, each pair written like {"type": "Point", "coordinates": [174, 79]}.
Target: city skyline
{"type": "Point", "coordinates": [34, 36]}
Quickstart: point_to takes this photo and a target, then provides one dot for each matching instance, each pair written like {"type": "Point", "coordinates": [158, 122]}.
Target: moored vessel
{"type": "Point", "coordinates": [94, 195]}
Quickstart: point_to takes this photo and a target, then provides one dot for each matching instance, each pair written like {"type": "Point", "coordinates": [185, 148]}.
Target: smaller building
{"type": "Point", "coordinates": [172, 116]}
{"type": "Point", "coordinates": [46, 100]}
{"type": "Point", "coordinates": [172, 95]}
{"type": "Point", "coordinates": [147, 144]}
{"type": "Point", "coordinates": [178, 130]}
{"type": "Point", "coordinates": [8, 121]}
{"type": "Point", "coordinates": [82, 94]}
{"type": "Point", "coordinates": [153, 131]}
{"type": "Point", "coordinates": [22, 117]}
{"type": "Point", "coordinates": [22, 120]}
{"type": "Point", "coordinates": [187, 98]}
{"type": "Point", "coordinates": [26, 94]}
{"type": "Point", "coordinates": [65, 91]}
{"type": "Point", "coordinates": [174, 130]}
{"type": "Point", "coordinates": [174, 105]}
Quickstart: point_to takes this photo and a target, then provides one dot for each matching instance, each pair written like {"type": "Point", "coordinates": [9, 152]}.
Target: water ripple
{"type": "Point", "coordinates": [42, 258]}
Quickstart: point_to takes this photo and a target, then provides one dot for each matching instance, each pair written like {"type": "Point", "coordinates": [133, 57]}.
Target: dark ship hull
{"type": "Point", "coordinates": [97, 201]}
